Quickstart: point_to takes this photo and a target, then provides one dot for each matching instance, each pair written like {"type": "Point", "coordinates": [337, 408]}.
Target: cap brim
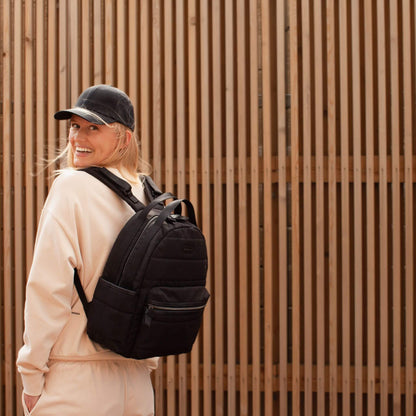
{"type": "Point", "coordinates": [81, 112]}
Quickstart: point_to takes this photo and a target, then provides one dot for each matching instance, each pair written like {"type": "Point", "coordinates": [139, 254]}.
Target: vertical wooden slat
{"type": "Point", "coordinates": [332, 210]}
{"type": "Point", "coordinates": [255, 208]}
{"type": "Point", "coordinates": [345, 208]}
{"type": "Point", "coordinates": [155, 69]}
{"type": "Point", "coordinates": [181, 133]}
{"type": "Point", "coordinates": [217, 125]}
{"type": "Point", "coordinates": [74, 43]}
{"type": "Point", "coordinates": [370, 203]}
{"type": "Point", "coordinates": [63, 69]}
{"type": "Point", "coordinates": [133, 73]}
{"type": "Point", "coordinates": [383, 207]}
{"type": "Point", "coordinates": [321, 320]}
{"type": "Point", "coordinates": [145, 70]}
{"type": "Point", "coordinates": [97, 40]}
{"type": "Point", "coordinates": [193, 124]}
{"type": "Point", "coordinates": [282, 205]}
{"type": "Point", "coordinates": [109, 36]}
{"type": "Point", "coordinates": [357, 196]}
{"type": "Point", "coordinates": [7, 371]}
{"type": "Point", "coordinates": [181, 128]}
{"type": "Point", "coordinates": [396, 205]}
{"type": "Point", "coordinates": [218, 205]}
{"type": "Point", "coordinates": [242, 235]}
{"type": "Point", "coordinates": [29, 151]}
{"type": "Point", "coordinates": [230, 208]}
{"type": "Point", "coordinates": [295, 203]}
{"type": "Point", "coordinates": [169, 135]}
{"type": "Point", "coordinates": [24, 228]}
{"type": "Point", "coordinates": [307, 203]}
{"type": "Point", "coordinates": [169, 97]}
{"type": "Point", "coordinates": [121, 44]}
{"type": "Point", "coordinates": [52, 96]}
{"type": "Point", "coordinates": [206, 140]}
{"type": "Point", "coordinates": [268, 209]}
{"type": "Point", "coordinates": [41, 116]}
{"type": "Point", "coordinates": [20, 59]}
{"type": "Point", "coordinates": [5, 80]}
{"type": "Point", "coordinates": [156, 91]}
{"type": "Point", "coordinates": [193, 98]}
{"type": "Point", "coordinates": [409, 237]}
{"type": "Point", "coordinates": [86, 58]}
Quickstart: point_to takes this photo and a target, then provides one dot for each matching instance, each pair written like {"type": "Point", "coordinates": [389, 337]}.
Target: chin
{"type": "Point", "coordinates": [82, 163]}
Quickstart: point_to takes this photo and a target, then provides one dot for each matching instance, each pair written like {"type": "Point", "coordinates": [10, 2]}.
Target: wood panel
{"type": "Point", "coordinates": [291, 126]}
{"type": "Point", "coordinates": [333, 210]}
{"type": "Point", "coordinates": [409, 237]}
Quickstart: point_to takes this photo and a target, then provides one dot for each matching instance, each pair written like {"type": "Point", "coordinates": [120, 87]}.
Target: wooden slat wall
{"type": "Point", "coordinates": [291, 124]}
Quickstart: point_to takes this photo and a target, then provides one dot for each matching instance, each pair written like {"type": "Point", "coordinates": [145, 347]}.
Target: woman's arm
{"type": "Point", "coordinates": [49, 289]}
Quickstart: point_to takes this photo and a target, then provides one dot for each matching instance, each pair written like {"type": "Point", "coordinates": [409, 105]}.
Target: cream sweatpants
{"type": "Point", "coordinates": [96, 388]}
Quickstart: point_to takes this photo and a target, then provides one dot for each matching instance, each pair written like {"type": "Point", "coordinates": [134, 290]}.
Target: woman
{"type": "Point", "coordinates": [63, 371]}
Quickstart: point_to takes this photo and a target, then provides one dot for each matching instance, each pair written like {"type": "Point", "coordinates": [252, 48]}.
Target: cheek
{"type": "Point", "coordinates": [111, 146]}
{"type": "Point", "coordinates": [71, 138]}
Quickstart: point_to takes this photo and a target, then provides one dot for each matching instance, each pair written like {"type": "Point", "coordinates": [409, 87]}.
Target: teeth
{"type": "Point", "coordinates": [83, 150]}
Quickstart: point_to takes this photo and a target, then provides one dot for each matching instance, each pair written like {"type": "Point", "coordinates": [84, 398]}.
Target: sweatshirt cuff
{"type": "Point", "coordinates": [33, 384]}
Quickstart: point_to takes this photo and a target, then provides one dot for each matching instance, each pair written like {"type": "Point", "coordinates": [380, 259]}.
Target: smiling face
{"type": "Point", "coordinates": [92, 144]}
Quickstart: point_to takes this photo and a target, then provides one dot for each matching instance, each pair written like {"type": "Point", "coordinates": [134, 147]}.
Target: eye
{"type": "Point", "coordinates": [74, 125]}
{"type": "Point", "coordinates": [93, 127]}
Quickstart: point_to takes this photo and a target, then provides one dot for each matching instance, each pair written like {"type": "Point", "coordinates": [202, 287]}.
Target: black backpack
{"type": "Point", "coordinates": [151, 295]}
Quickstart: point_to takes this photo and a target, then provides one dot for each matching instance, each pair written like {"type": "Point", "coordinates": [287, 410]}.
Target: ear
{"type": "Point", "coordinates": [127, 138]}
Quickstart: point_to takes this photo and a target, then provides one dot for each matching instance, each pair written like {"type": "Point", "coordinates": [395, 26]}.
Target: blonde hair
{"type": "Point", "coordinates": [126, 158]}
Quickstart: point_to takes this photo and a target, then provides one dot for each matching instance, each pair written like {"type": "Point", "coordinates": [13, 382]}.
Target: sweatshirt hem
{"type": "Point", "coordinates": [90, 357]}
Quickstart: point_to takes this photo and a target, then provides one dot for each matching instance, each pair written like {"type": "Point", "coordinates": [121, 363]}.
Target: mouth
{"type": "Point", "coordinates": [83, 150]}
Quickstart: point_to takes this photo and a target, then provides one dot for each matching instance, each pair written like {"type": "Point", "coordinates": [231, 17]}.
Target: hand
{"type": "Point", "coordinates": [30, 401]}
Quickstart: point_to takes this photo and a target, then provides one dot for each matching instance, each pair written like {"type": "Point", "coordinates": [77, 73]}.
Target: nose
{"type": "Point", "coordinates": [78, 134]}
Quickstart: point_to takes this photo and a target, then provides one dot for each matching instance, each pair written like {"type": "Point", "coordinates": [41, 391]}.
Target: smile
{"type": "Point", "coordinates": [83, 150]}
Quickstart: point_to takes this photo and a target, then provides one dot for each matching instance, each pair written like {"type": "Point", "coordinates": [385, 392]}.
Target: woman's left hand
{"type": "Point", "coordinates": [30, 401]}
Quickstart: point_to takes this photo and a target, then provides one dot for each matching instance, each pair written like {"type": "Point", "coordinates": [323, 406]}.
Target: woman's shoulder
{"type": "Point", "coordinates": [69, 175]}
{"type": "Point", "coordinates": [68, 190]}
{"type": "Point", "coordinates": [71, 182]}
{"type": "Point", "coordinates": [74, 190]}
{"type": "Point", "coordinates": [75, 184]}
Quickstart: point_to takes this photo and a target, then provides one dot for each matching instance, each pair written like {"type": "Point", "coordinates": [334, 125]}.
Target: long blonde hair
{"type": "Point", "coordinates": [125, 158]}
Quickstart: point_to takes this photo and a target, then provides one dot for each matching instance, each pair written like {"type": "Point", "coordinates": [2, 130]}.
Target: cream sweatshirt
{"type": "Point", "coordinates": [79, 223]}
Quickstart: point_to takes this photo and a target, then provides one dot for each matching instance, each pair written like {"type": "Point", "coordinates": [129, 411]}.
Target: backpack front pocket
{"type": "Point", "coordinates": [171, 320]}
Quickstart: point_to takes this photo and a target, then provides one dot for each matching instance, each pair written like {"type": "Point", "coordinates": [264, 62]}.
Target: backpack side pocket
{"type": "Point", "coordinates": [110, 316]}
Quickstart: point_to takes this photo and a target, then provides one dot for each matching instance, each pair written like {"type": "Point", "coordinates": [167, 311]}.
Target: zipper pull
{"type": "Point", "coordinates": [147, 318]}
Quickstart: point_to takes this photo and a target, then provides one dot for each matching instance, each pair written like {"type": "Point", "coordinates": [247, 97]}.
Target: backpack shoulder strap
{"type": "Point", "coordinates": [121, 187]}
{"type": "Point", "coordinates": [151, 189]}
{"type": "Point", "coordinates": [80, 291]}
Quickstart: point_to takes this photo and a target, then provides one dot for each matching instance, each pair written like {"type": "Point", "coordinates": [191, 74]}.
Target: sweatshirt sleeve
{"type": "Point", "coordinates": [49, 290]}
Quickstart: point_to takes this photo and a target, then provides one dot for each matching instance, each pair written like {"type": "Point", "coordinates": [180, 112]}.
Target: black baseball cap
{"type": "Point", "coordinates": [102, 104]}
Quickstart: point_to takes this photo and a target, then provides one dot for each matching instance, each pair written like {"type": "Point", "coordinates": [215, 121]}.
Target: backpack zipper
{"type": "Point", "coordinates": [172, 308]}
